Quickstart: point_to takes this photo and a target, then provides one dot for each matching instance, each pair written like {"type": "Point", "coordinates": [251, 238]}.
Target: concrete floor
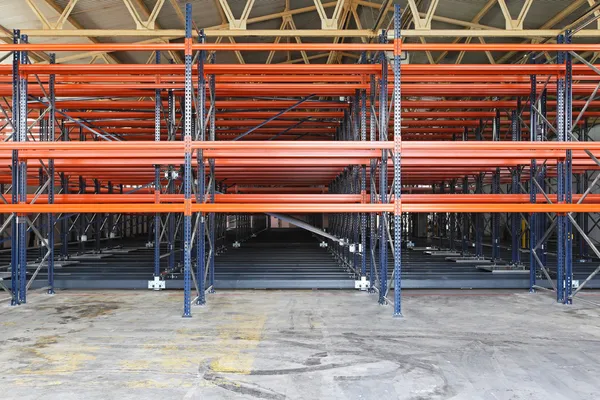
{"type": "Point", "coordinates": [299, 345]}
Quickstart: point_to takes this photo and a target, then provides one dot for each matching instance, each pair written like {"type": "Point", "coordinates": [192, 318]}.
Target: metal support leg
{"type": "Point", "coordinates": [51, 176]}
{"type": "Point", "coordinates": [187, 173]}
{"type": "Point", "coordinates": [383, 136]}
{"type": "Point", "coordinates": [397, 169]}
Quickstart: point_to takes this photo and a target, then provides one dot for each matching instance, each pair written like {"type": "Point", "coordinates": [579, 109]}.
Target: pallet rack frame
{"type": "Point", "coordinates": [208, 201]}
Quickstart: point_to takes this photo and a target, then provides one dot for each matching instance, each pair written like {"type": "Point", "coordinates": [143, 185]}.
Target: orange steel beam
{"type": "Point", "coordinates": [278, 104]}
{"type": "Point", "coordinates": [296, 208]}
{"type": "Point", "coordinates": [303, 198]}
{"type": "Point", "coordinates": [349, 70]}
{"type": "Point", "coordinates": [299, 89]}
{"type": "Point", "coordinates": [93, 115]}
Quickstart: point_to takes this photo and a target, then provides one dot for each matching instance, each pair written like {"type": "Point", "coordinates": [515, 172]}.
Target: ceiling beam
{"type": "Point", "coordinates": [484, 10]}
{"type": "Point", "coordinates": [149, 22]}
{"type": "Point", "coordinates": [568, 10]}
{"type": "Point", "coordinates": [422, 23]}
{"type": "Point", "coordinates": [514, 23]}
{"type": "Point", "coordinates": [78, 27]}
{"type": "Point", "coordinates": [326, 22]}
{"type": "Point", "coordinates": [174, 54]}
{"type": "Point", "coordinates": [237, 23]}
{"type": "Point", "coordinates": [179, 33]}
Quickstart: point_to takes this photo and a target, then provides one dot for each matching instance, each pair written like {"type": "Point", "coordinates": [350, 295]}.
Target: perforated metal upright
{"type": "Point", "coordinates": [363, 184]}
{"type": "Point", "coordinates": [187, 168]}
{"type": "Point", "coordinates": [51, 177]}
{"type": "Point", "coordinates": [157, 185]}
{"type": "Point", "coordinates": [397, 167]}
{"type": "Point", "coordinates": [21, 247]}
{"type": "Point", "coordinates": [212, 184]}
{"type": "Point", "coordinates": [372, 184]}
{"type": "Point", "coordinates": [568, 173]}
{"type": "Point", "coordinates": [560, 191]}
{"type": "Point", "coordinates": [495, 189]}
{"type": "Point", "coordinates": [479, 190]}
{"type": "Point", "coordinates": [515, 227]}
{"type": "Point", "coordinates": [16, 108]}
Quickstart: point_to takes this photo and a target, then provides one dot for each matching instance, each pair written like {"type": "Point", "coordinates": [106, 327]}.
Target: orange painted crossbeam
{"type": "Point", "coordinates": [262, 115]}
{"type": "Point", "coordinates": [297, 69]}
{"type": "Point", "coordinates": [281, 104]}
{"type": "Point", "coordinates": [248, 90]}
{"type": "Point", "coordinates": [295, 208]}
{"type": "Point", "coordinates": [170, 70]}
{"type": "Point", "coordinates": [302, 198]}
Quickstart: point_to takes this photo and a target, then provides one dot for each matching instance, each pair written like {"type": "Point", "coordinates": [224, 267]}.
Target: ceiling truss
{"type": "Point", "coordinates": [336, 27]}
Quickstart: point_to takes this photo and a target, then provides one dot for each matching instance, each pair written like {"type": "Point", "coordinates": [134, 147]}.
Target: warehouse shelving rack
{"type": "Point", "coordinates": [215, 142]}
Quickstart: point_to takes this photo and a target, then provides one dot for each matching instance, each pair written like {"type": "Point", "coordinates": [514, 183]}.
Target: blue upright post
{"type": "Point", "coordinates": [212, 187]}
{"type": "Point", "coordinates": [568, 175]}
{"type": "Point", "coordinates": [452, 236]}
{"type": "Point", "coordinates": [465, 216]}
{"type": "Point", "coordinates": [201, 178]}
{"type": "Point", "coordinates": [383, 136]}
{"type": "Point", "coordinates": [16, 108]}
{"type": "Point", "coordinates": [64, 224]}
{"type": "Point", "coordinates": [97, 219]}
{"type": "Point", "coordinates": [479, 219]}
{"type": "Point", "coordinates": [465, 220]}
{"type": "Point", "coordinates": [187, 169]}
{"type": "Point", "coordinates": [479, 216]}
{"type": "Point", "coordinates": [363, 184]}
{"type": "Point", "coordinates": [495, 217]}
{"type": "Point", "coordinates": [397, 170]}
{"type": "Point", "coordinates": [157, 185]}
{"type": "Point", "coordinates": [22, 182]}
{"type": "Point", "coordinates": [356, 218]}
{"type": "Point", "coordinates": [51, 137]}
{"type": "Point", "coordinates": [110, 220]}
{"type": "Point", "coordinates": [515, 189]}
{"type": "Point", "coordinates": [372, 185]}
{"type": "Point", "coordinates": [560, 237]}
{"type": "Point", "coordinates": [157, 223]}
{"type": "Point", "coordinates": [583, 218]}
{"type": "Point", "coordinates": [542, 219]}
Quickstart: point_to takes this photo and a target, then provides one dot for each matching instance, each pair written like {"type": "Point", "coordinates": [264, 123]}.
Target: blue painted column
{"type": "Point", "coordinates": [201, 177]}
{"type": "Point", "coordinates": [22, 183]}
{"type": "Point", "coordinates": [51, 177]}
{"type": "Point", "coordinates": [495, 217]}
{"type": "Point", "coordinates": [561, 234]}
{"type": "Point", "coordinates": [397, 168]}
{"type": "Point", "coordinates": [16, 108]}
{"type": "Point", "coordinates": [363, 184]}
{"type": "Point", "coordinates": [187, 171]}
{"type": "Point", "coordinates": [568, 103]}
{"type": "Point", "coordinates": [372, 185]}
{"type": "Point", "coordinates": [515, 228]}
{"type": "Point", "coordinates": [157, 185]}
